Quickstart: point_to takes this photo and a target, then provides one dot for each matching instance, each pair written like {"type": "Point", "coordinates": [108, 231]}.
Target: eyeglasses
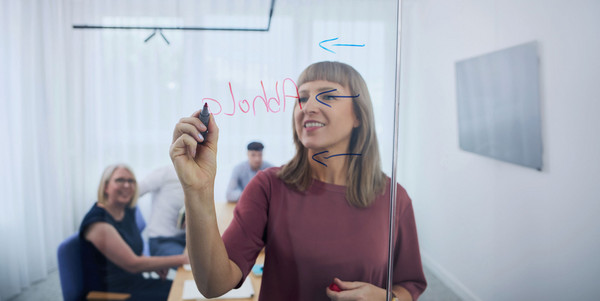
{"type": "Point", "coordinates": [122, 181]}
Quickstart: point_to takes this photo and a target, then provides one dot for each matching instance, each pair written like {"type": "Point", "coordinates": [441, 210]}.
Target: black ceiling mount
{"type": "Point", "coordinates": [161, 28]}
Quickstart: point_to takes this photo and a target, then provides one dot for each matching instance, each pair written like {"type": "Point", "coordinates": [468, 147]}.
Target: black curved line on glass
{"type": "Point", "coordinates": [337, 96]}
{"type": "Point", "coordinates": [344, 96]}
{"type": "Point", "coordinates": [349, 154]}
{"type": "Point", "coordinates": [313, 157]}
{"type": "Point", "coordinates": [317, 97]}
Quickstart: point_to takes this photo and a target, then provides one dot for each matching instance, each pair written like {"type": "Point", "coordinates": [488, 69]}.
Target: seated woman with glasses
{"type": "Point", "coordinates": [111, 243]}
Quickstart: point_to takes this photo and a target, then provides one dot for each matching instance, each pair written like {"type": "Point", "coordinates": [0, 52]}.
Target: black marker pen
{"type": "Point", "coordinates": [205, 117]}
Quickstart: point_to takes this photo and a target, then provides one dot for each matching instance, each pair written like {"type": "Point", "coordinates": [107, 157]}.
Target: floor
{"type": "Point", "coordinates": [49, 290]}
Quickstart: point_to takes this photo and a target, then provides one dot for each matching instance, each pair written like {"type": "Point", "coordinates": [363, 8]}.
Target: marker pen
{"type": "Point", "coordinates": [205, 117]}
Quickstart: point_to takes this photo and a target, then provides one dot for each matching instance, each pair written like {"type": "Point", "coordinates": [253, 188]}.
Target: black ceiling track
{"type": "Point", "coordinates": [161, 28]}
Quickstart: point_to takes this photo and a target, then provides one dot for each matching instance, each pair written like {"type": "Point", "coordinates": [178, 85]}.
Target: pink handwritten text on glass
{"type": "Point", "coordinates": [271, 104]}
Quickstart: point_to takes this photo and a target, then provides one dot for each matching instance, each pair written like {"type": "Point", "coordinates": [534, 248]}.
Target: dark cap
{"type": "Point", "coordinates": [255, 146]}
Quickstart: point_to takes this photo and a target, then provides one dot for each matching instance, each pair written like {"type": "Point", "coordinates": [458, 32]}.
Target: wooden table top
{"type": "Point", "coordinates": [224, 213]}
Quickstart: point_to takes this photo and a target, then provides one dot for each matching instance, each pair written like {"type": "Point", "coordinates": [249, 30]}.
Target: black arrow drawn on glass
{"type": "Point", "coordinates": [348, 154]}
{"type": "Point", "coordinates": [337, 96]}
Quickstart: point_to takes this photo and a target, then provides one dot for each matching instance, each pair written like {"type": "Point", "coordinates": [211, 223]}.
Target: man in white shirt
{"type": "Point", "coordinates": [165, 237]}
{"type": "Point", "coordinates": [245, 171]}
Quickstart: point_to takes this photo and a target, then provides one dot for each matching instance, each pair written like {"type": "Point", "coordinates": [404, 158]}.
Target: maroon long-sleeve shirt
{"type": "Point", "coordinates": [310, 237]}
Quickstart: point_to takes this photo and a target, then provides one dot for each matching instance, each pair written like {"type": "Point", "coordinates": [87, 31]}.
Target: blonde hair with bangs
{"type": "Point", "coordinates": [365, 180]}
{"type": "Point", "coordinates": [106, 175]}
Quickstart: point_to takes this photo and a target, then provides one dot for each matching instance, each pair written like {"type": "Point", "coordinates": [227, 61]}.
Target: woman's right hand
{"type": "Point", "coordinates": [194, 156]}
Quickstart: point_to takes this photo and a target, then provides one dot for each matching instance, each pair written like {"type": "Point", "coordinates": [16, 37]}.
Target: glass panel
{"type": "Point", "coordinates": [245, 63]}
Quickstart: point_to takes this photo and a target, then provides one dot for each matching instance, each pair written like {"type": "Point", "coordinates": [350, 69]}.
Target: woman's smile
{"type": "Point", "coordinates": [311, 125]}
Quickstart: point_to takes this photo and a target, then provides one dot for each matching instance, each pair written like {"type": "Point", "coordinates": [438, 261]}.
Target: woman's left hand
{"type": "Point", "coordinates": [355, 291]}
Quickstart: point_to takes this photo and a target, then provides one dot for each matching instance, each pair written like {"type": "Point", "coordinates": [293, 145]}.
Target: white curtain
{"type": "Point", "coordinates": [40, 187]}
{"type": "Point", "coordinates": [74, 101]}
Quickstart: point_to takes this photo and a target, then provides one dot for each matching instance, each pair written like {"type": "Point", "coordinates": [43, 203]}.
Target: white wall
{"type": "Point", "coordinates": [493, 230]}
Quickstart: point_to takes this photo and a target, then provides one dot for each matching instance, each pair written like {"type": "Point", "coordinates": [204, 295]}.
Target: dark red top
{"type": "Point", "coordinates": [313, 236]}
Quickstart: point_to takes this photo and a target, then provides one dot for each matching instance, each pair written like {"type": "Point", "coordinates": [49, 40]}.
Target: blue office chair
{"type": "Point", "coordinates": [139, 219]}
{"type": "Point", "coordinates": [71, 273]}
{"type": "Point", "coordinates": [69, 268]}
{"type": "Point", "coordinates": [141, 223]}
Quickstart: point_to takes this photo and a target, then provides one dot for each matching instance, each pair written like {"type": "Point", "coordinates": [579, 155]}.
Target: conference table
{"type": "Point", "coordinates": [224, 213]}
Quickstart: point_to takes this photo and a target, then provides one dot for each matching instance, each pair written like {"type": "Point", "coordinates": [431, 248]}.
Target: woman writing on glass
{"type": "Point", "coordinates": [322, 218]}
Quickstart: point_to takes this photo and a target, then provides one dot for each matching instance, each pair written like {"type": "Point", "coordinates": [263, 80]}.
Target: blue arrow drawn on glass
{"type": "Point", "coordinates": [349, 154]}
{"type": "Point", "coordinates": [327, 49]}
